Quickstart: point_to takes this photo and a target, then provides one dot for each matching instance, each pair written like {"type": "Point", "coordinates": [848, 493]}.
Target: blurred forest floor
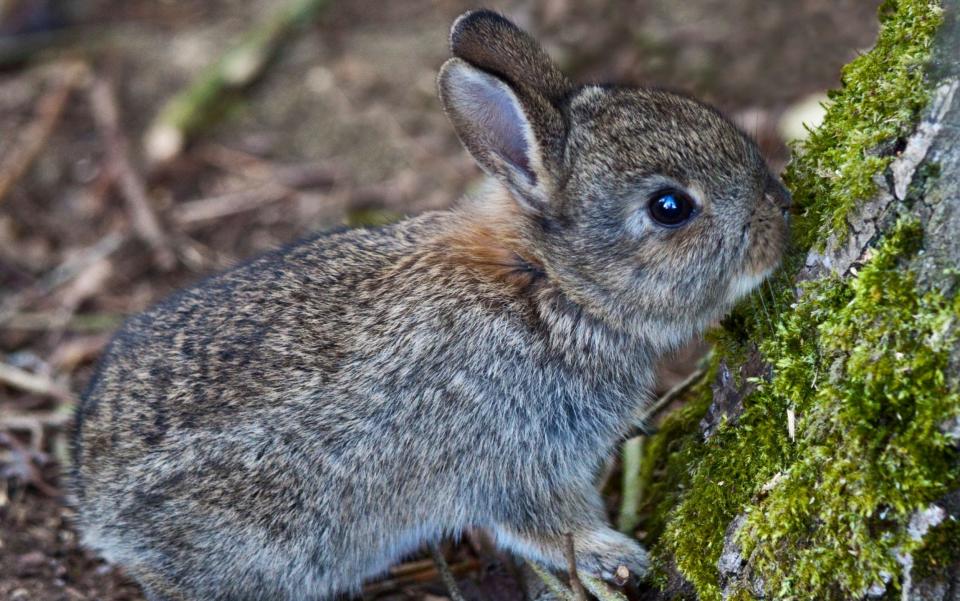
{"type": "Point", "coordinates": [344, 128]}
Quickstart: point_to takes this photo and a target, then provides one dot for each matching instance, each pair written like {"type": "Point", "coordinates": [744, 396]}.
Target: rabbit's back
{"type": "Point", "coordinates": [232, 345]}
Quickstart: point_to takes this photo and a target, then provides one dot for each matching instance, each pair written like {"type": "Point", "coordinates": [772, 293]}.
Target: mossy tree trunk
{"type": "Point", "coordinates": [821, 460]}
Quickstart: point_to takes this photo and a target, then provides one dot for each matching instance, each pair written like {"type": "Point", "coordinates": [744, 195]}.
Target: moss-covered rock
{"type": "Point", "coordinates": [815, 491]}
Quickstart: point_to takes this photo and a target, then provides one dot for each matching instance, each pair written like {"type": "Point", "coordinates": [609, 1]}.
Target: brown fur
{"type": "Point", "coordinates": [490, 242]}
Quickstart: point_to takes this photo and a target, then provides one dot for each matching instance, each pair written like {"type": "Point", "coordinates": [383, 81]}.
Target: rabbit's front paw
{"type": "Point", "coordinates": [606, 553]}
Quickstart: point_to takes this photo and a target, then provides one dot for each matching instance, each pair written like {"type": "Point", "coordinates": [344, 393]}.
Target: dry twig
{"type": "Point", "coordinates": [276, 183]}
{"type": "Point", "coordinates": [412, 575]}
{"type": "Point", "coordinates": [295, 176]}
{"type": "Point", "coordinates": [671, 395]}
{"type": "Point", "coordinates": [20, 463]}
{"type": "Point", "coordinates": [35, 136]}
{"type": "Point", "coordinates": [445, 574]}
{"type": "Point", "coordinates": [412, 567]}
{"type": "Point", "coordinates": [34, 422]}
{"type": "Point", "coordinates": [30, 382]}
{"type": "Point", "coordinates": [599, 589]}
{"type": "Point", "coordinates": [103, 102]}
{"type": "Point", "coordinates": [216, 207]}
{"type": "Point", "coordinates": [556, 587]}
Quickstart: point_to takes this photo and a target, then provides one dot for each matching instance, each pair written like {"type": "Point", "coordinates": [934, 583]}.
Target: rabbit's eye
{"type": "Point", "coordinates": [671, 208]}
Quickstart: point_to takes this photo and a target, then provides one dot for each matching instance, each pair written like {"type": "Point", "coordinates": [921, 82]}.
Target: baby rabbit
{"type": "Point", "coordinates": [291, 428]}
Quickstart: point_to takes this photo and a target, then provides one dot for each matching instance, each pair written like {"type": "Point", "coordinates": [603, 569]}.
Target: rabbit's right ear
{"type": "Point", "coordinates": [513, 135]}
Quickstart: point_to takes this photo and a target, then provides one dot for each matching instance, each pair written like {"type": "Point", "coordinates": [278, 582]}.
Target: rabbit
{"type": "Point", "coordinates": [290, 428]}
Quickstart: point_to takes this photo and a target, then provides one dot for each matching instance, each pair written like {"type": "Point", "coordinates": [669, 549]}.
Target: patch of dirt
{"type": "Point", "coordinates": [42, 560]}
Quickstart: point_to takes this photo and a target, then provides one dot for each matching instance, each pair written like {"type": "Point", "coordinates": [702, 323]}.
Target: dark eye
{"type": "Point", "coordinates": [671, 208]}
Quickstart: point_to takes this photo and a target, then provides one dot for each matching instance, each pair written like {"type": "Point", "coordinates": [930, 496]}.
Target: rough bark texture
{"type": "Point", "coordinates": [822, 462]}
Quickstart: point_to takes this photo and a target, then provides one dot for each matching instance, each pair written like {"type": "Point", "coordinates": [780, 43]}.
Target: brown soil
{"type": "Point", "coordinates": [348, 123]}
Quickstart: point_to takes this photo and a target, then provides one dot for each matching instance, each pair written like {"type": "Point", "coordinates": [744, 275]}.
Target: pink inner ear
{"type": "Point", "coordinates": [498, 119]}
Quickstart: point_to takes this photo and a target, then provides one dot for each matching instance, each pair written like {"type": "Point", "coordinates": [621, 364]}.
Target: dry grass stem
{"type": "Point", "coordinates": [578, 593]}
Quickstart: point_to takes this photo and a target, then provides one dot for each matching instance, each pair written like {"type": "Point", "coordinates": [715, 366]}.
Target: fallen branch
{"type": "Point", "coordinates": [106, 113]}
{"type": "Point", "coordinates": [193, 108]}
{"type": "Point", "coordinates": [35, 136]}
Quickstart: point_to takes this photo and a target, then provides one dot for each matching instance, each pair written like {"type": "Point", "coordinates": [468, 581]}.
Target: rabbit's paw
{"type": "Point", "coordinates": [611, 556]}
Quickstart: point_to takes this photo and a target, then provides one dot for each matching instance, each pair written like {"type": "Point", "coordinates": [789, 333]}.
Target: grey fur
{"type": "Point", "coordinates": [290, 428]}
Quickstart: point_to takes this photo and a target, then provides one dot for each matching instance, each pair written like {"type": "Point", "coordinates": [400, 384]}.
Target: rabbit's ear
{"type": "Point", "coordinates": [513, 134]}
{"type": "Point", "coordinates": [491, 42]}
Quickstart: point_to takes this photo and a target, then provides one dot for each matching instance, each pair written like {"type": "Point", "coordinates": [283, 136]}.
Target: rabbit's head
{"type": "Point", "coordinates": [647, 208]}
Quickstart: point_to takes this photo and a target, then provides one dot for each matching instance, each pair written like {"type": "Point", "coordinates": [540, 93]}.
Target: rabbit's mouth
{"type": "Point", "coordinates": [745, 283]}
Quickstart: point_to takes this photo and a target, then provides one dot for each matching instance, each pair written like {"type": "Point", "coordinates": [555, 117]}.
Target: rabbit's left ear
{"type": "Point", "coordinates": [490, 41]}
{"type": "Point", "coordinates": [512, 133]}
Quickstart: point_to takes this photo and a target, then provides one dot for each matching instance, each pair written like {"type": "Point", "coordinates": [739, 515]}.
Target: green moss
{"type": "Point", "coordinates": [676, 445]}
{"type": "Point", "coordinates": [860, 361]}
{"type": "Point", "coordinates": [723, 475]}
{"type": "Point", "coordinates": [882, 94]}
{"type": "Point", "coordinates": [863, 364]}
{"type": "Point", "coordinates": [940, 550]}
